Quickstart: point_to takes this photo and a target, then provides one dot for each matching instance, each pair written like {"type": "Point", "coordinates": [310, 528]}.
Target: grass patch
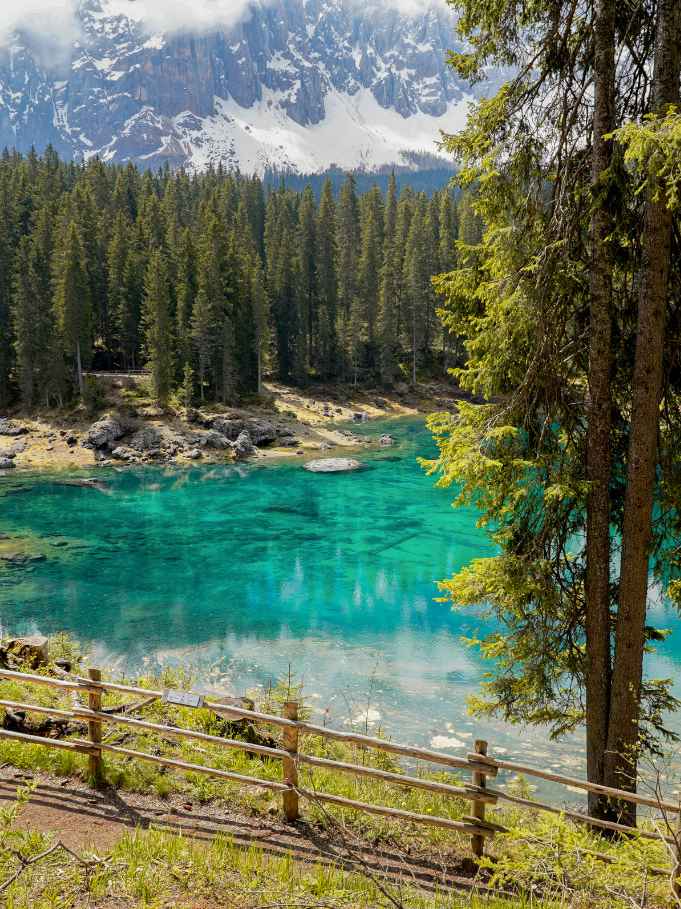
{"type": "Point", "coordinates": [548, 858]}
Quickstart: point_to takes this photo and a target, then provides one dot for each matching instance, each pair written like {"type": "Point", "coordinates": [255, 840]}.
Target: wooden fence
{"type": "Point", "coordinates": [482, 766]}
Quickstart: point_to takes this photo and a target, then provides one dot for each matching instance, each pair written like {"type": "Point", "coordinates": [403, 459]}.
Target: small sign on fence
{"type": "Point", "coordinates": [183, 698]}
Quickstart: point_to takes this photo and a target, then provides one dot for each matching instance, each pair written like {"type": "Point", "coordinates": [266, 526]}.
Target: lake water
{"type": "Point", "coordinates": [243, 572]}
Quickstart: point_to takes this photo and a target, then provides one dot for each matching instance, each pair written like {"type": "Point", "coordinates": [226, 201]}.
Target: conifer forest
{"type": "Point", "coordinates": [212, 282]}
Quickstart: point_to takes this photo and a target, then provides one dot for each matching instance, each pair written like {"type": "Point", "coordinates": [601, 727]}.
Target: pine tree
{"type": "Point", "coordinates": [6, 265]}
{"type": "Point", "coordinates": [306, 242]}
{"type": "Point", "coordinates": [416, 277]}
{"type": "Point", "coordinates": [261, 307]}
{"type": "Point", "coordinates": [448, 232]}
{"type": "Point", "coordinates": [348, 245]}
{"type": "Point", "coordinates": [288, 326]}
{"type": "Point", "coordinates": [94, 261]}
{"type": "Point", "coordinates": [369, 276]}
{"type": "Point", "coordinates": [405, 209]}
{"type": "Point", "coordinates": [209, 308]}
{"type": "Point", "coordinates": [39, 353]}
{"type": "Point", "coordinates": [327, 283]}
{"type": "Point", "coordinates": [157, 321]}
{"type": "Point", "coordinates": [117, 260]}
{"type": "Point", "coordinates": [240, 310]}
{"type": "Point", "coordinates": [129, 317]}
{"type": "Point", "coordinates": [426, 297]}
{"type": "Point", "coordinates": [23, 306]}
{"type": "Point", "coordinates": [389, 290]}
{"type": "Point", "coordinates": [185, 294]}
{"type": "Point", "coordinates": [72, 301]}
{"type": "Point", "coordinates": [470, 225]}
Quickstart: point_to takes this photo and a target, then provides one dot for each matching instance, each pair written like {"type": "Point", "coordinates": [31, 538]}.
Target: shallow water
{"type": "Point", "coordinates": [243, 572]}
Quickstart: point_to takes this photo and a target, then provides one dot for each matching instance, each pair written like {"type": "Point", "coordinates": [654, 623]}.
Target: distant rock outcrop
{"type": "Point", "coordinates": [242, 96]}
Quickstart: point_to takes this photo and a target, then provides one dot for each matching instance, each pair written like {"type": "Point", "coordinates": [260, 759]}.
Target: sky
{"type": "Point", "coordinates": [54, 24]}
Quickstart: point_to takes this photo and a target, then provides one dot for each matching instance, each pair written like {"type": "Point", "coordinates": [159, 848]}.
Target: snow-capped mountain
{"type": "Point", "coordinates": [299, 84]}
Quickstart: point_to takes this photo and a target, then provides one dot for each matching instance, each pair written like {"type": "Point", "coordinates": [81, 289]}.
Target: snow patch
{"type": "Point", "coordinates": [356, 132]}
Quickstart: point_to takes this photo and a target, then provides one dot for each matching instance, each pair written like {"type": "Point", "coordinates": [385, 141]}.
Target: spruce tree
{"type": "Point", "coordinates": [116, 261]}
{"type": "Point", "coordinates": [348, 245]}
{"type": "Point", "coordinates": [23, 309]}
{"type": "Point", "coordinates": [72, 302]}
{"type": "Point", "coordinates": [448, 232]}
{"type": "Point", "coordinates": [261, 307]}
{"type": "Point", "coordinates": [6, 267]}
{"type": "Point", "coordinates": [39, 353]}
{"type": "Point", "coordinates": [306, 242]}
{"type": "Point", "coordinates": [369, 275]}
{"type": "Point", "coordinates": [185, 294]}
{"type": "Point", "coordinates": [405, 209]}
{"type": "Point", "coordinates": [209, 308]}
{"type": "Point", "coordinates": [158, 329]}
{"type": "Point", "coordinates": [389, 290]}
{"type": "Point", "coordinates": [416, 278]}
{"type": "Point", "coordinates": [327, 284]}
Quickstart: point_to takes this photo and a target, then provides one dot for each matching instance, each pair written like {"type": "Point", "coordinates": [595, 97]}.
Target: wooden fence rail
{"type": "Point", "coordinates": [479, 763]}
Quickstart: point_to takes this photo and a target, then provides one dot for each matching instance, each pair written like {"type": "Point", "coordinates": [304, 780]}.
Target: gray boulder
{"type": "Point", "coordinates": [194, 454]}
{"type": "Point", "coordinates": [243, 447]}
{"type": "Point", "coordinates": [262, 432]}
{"type": "Point", "coordinates": [215, 440]}
{"type": "Point", "coordinates": [8, 428]}
{"type": "Point", "coordinates": [102, 433]}
{"type": "Point", "coordinates": [230, 427]}
{"type": "Point", "coordinates": [7, 464]}
{"type": "Point", "coordinates": [146, 439]}
{"type": "Point", "coordinates": [333, 465]}
{"type": "Point", "coordinates": [121, 453]}
{"type": "Point", "coordinates": [386, 441]}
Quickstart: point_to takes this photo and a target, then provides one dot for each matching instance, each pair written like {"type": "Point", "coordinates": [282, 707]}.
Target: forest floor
{"type": "Point", "coordinates": [317, 418]}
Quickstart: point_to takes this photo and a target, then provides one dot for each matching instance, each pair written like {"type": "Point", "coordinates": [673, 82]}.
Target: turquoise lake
{"type": "Point", "coordinates": [243, 571]}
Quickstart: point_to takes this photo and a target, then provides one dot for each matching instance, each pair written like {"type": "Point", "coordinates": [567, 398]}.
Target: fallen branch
{"type": "Point", "coordinates": [27, 863]}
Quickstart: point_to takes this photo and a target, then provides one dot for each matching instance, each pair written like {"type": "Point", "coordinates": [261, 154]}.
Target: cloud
{"type": "Point", "coordinates": [51, 26]}
{"type": "Point", "coordinates": [203, 15]}
{"type": "Point", "coordinates": [182, 15]}
{"type": "Point", "coordinates": [410, 7]}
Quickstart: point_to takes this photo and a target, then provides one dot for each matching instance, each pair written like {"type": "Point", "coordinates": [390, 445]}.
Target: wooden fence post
{"type": "Point", "coordinates": [95, 763]}
{"type": "Point", "coordinates": [676, 873]}
{"type": "Point", "coordinates": [479, 780]}
{"type": "Point", "coordinates": [290, 768]}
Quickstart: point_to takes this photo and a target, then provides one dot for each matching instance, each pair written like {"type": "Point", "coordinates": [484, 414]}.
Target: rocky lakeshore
{"type": "Point", "coordinates": [131, 430]}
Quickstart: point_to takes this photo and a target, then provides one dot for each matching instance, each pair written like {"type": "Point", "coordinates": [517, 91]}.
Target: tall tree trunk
{"type": "Point", "coordinates": [643, 441]}
{"type": "Point", "coordinates": [598, 459]}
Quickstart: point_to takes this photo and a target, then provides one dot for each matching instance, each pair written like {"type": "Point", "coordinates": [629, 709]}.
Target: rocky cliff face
{"type": "Point", "coordinates": [300, 84]}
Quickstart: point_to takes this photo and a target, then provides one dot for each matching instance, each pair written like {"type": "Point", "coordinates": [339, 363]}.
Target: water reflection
{"type": "Point", "coordinates": [242, 572]}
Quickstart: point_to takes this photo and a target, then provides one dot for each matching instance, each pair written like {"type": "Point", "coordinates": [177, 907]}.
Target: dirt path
{"type": "Point", "coordinates": [88, 821]}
